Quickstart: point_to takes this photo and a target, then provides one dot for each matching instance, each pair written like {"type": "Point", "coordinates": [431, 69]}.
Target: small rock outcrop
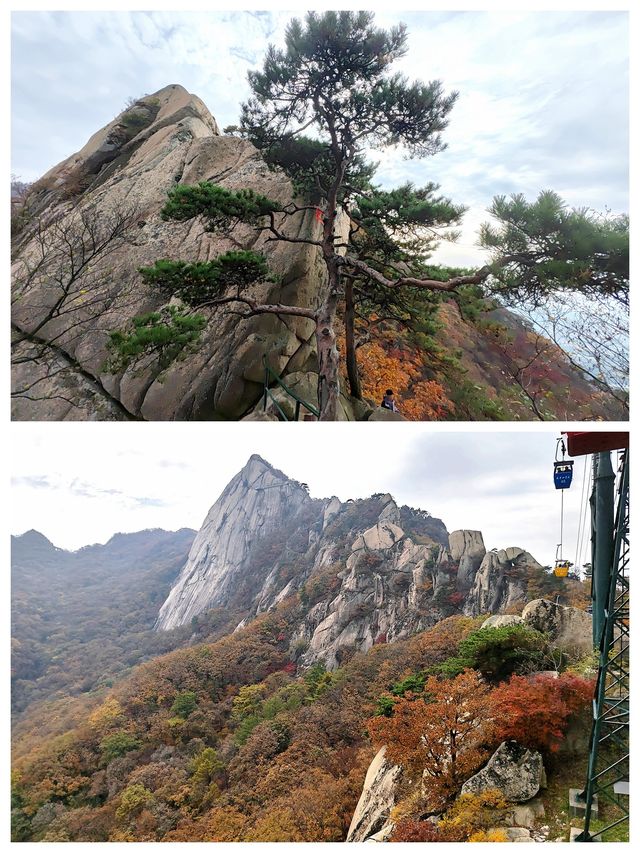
{"type": "Point", "coordinates": [514, 770]}
{"type": "Point", "coordinates": [502, 621]}
{"type": "Point", "coordinates": [501, 581]}
{"type": "Point", "coordinates": [525, 815]}
{"type": "Point", "coordinates": [467, 549]}
{"type": "Point", "coordinates": [568, 627]}
{"type": "Point", "coordinates": [386, 592]}
{"type": "Point", "coordinates": [376, 801]}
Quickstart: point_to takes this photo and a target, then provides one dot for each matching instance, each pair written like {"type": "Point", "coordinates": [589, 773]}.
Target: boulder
{"type": "Point", "coordinates": [525, 815]}
{"type": "Point", "coordinates": [381, 414]}
{"type": "Point", "coordinates": [516, 834]}
{"type": "Point", "coordinates": [568, 627]}
{"type": "Point", "coordinates": [467, 543]}
{"type": "Point", "coordinates": [513, 834]}
{"type": "Point", "coordinates": [376, 800]}
{"type": "Point", "coordinates": [384, 535]}
{"type": "Point", "coordinates": [502, 620]}
{"type": "Point", "coordinates": [513, 770]}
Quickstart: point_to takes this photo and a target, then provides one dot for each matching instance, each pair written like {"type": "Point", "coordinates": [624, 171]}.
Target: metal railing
{"type": "Point", "coordinates": [269, 376]}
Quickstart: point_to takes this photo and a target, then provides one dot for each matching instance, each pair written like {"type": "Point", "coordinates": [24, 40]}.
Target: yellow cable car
{"type": "Point", "coordinates": [562, 568]}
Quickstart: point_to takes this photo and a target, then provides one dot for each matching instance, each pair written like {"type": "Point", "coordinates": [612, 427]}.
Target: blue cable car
{"type": "Point", "coordinates": [563, 473]}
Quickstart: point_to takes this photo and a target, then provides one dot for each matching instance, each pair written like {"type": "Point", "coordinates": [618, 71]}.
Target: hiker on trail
{"type": "Point", "coordinates": [388, 402]}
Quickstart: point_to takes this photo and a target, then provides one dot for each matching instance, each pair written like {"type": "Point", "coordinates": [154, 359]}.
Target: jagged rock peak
{"type": "Point", "coordinates": [169, 107]}
{"type": "Point", "coordinates": [224, 561]}
{"type": "Point", "coordinates": [256, 464]}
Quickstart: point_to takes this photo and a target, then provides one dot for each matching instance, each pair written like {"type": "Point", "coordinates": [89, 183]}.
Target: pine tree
{"type": "Point", "coordinates": [333, 79]}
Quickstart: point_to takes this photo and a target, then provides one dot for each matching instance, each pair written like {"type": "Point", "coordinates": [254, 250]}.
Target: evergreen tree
{"type": "Point", "coordinates": [333, 78]}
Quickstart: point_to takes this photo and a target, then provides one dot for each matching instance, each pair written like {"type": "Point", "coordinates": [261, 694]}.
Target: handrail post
{"type": "Point", "coordinates": [299, 402]}
{"type": "Point", "coordinates": [266, 387]}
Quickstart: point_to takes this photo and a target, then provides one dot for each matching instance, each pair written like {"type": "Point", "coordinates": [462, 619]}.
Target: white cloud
{"type": "Point", "coordinates": [543, 95]}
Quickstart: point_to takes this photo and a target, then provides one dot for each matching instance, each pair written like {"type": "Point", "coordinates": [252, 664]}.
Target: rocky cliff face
{"type": "Point", "coordinates": [127, 168]}
{"type": "Point", "coordinates": [221, 570]}
{"type": "Point", "coordinates": [362, 571]}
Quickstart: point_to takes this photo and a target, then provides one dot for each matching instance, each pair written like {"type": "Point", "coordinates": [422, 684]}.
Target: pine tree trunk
{"type": "Point", "coordinates": [349, 323]}
{"type": "Point", "coordinates": [328, 359]}
{"type": "Point", "coordinates": [328, 362]}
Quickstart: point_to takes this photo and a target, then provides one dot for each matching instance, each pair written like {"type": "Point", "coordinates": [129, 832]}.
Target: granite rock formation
{"type": "Point", "coordinates": [569, 628]}
{"type": "Point", "coordinates": [513, 770]}
{"type": "Point", "coordinates": [166, 138]}
{"type": "Point", "coordinates": [365, 572]}
{"type": "Point", "coordinates": [376, 800]}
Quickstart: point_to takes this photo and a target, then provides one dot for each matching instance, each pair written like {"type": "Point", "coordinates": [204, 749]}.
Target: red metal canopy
{"type": "Point", "coordinates": [581, 443]}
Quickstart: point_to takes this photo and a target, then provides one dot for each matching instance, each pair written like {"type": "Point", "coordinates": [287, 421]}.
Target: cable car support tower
{"type": "Point", "coordinates": [608, 765]}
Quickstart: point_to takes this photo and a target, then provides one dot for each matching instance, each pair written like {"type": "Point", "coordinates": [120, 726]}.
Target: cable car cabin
{"type": "Point", "coordinates": [562, 568]}
{"type": "Point", "coordinates": [563, 473]}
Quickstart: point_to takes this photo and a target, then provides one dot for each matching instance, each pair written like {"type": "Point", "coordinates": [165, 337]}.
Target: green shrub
{"type": "Point", "coordinates": [410, 684]}
{"type": "Point", "coordinates": [219, 207]}
{"type": "Point", "coordinates": [168, 334]}
{"type": "Point", "coordinates": [497, 653]}
{"type": "Point", "coordinates": [117, 745]}
{"type": "Point", "coordinates": [132, 800]}
{"type": "Point", "coordinates": [184, 704]}
{"type": "Point", "coordinates": [317, 679]}
{"type": "Point", "coordinates": [200, 282]}
{"type": "Point", "coordinates": [384, 706]}
{"type": "Point", "coordinates": [135, 121]}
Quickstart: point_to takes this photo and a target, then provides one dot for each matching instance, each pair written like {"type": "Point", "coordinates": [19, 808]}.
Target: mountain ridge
{"type": "Point", "coordinates": [37, 535]}
{"type": "Point", "coordinates": [362, 569]}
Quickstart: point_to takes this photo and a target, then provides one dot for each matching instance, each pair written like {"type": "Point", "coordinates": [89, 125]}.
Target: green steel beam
{"type": "Point", "coordinates": [611, 702]}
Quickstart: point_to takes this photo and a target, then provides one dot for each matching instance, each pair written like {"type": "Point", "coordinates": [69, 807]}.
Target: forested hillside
{"type": "Point", "coordinates": [233, 741]}
{"type": "Point", "coordinates": [236, 684]}
{"type": "Point", "coordinates": [81, 619]}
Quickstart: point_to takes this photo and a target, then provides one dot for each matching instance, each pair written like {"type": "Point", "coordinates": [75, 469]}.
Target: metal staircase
{"type": "Point", "coordinates": [270, 376]}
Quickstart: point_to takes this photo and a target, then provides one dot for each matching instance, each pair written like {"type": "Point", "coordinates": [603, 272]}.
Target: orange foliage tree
{"type": "Point", "coordinates": [419, 399]}
{"type": "Point", "coordinates": [441, 735]}
{"type": "Point", "coordinates": [535, 710]}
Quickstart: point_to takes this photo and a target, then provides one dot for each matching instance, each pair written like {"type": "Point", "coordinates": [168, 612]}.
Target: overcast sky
{"type": "Point", "coordinates": [79, 483]}
{"type": "Point", "coordinates": [543, 95]}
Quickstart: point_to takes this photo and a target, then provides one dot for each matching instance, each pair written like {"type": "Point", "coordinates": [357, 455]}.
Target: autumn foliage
{"type": "Point", "coordinates": [535, 710]}
{"type": "Point", "coordinates": [383, 367]}
{"type": "Point", "coordinates": [441, 733]}
{"type": "Point", "coordinates": [232, 741]}
{"type": "Point", "coordinates": [470, 818]}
